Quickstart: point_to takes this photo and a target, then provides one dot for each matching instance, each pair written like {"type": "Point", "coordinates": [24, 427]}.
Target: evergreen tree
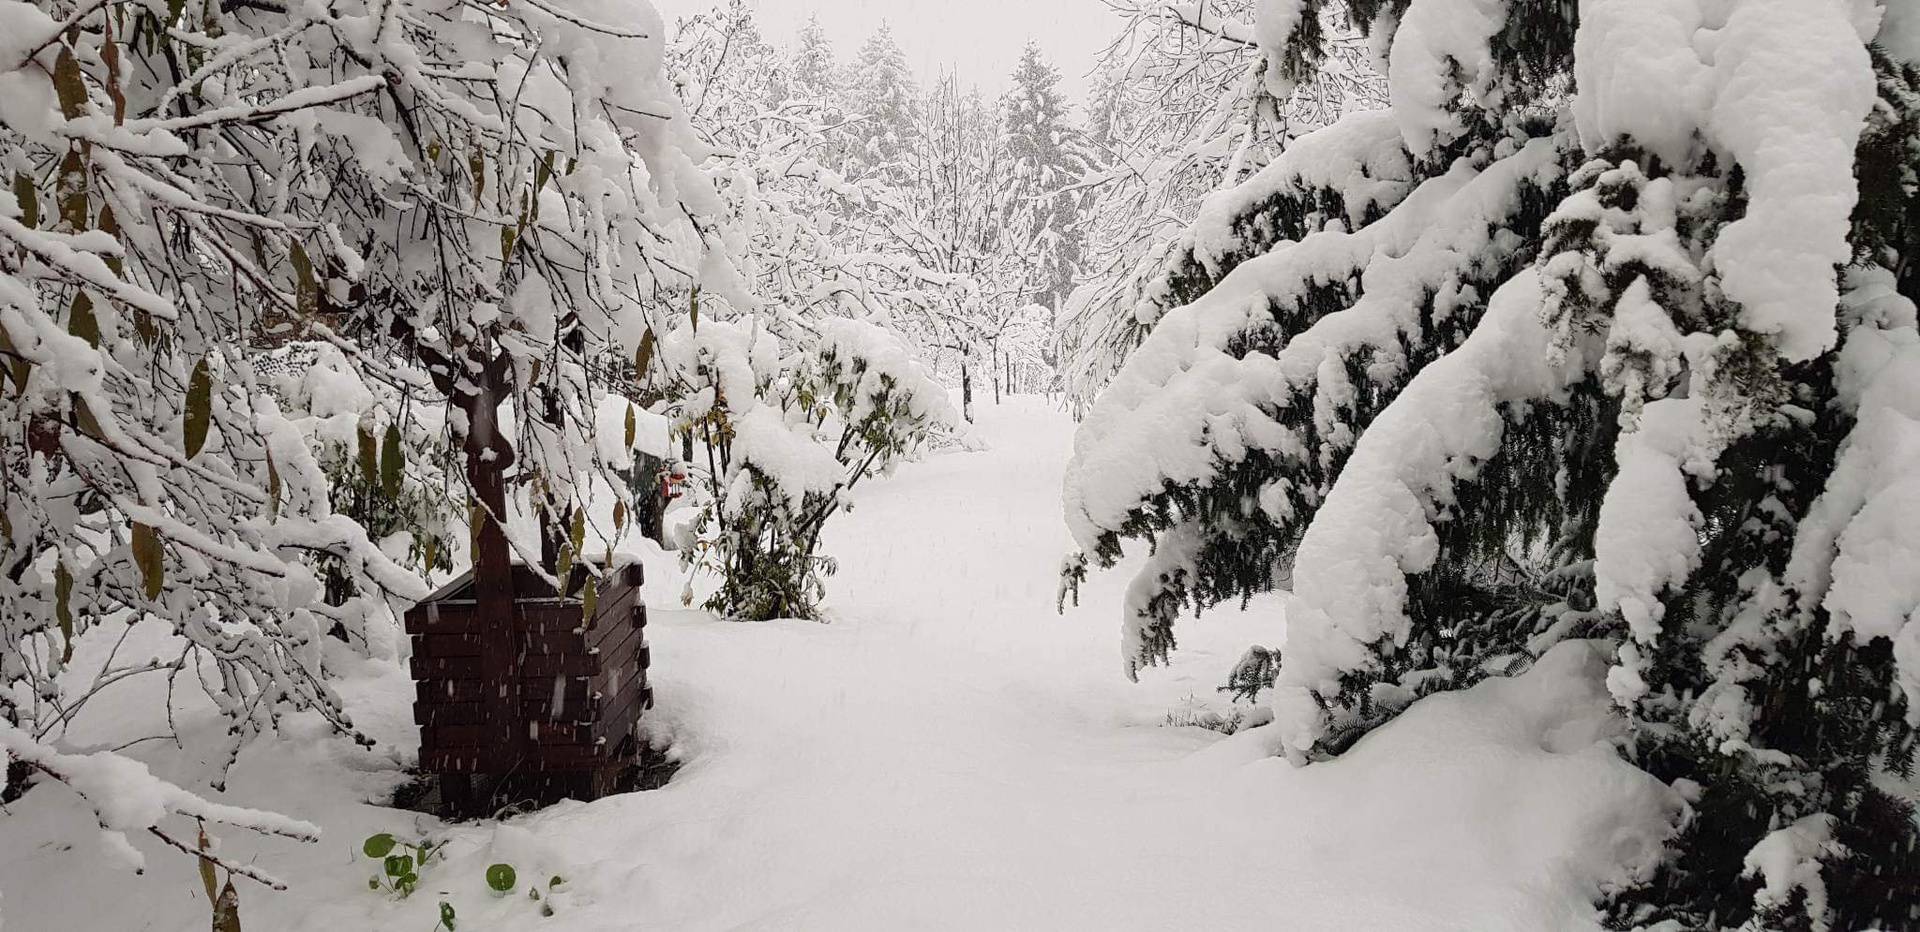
{"type": "Point", "coordinates": [1048, 156]}
{"type": "Point", "coordinates": [810, 71]}
{"type": "Point", "coordinates": [1513, 364]}
{"type": "Point", "coordinates": [882, 94]}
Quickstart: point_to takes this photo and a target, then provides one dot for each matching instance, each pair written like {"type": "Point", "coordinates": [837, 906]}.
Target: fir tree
{"type": "Point", "coordinates": [1526, 366]}
{"type": "Point", "coordinates": [810, 71]}
{"type": "Point", "coordinates": [1048, 156]}
{"type": "Point", "coordinates": [883, 96]}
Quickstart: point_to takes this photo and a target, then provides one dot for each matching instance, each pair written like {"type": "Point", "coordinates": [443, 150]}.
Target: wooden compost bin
{"type": "Point", "coordinates": [552, 714]}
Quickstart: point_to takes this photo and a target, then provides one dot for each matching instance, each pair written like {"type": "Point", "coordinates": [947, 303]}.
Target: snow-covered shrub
{"type": "Point", "coordinates": [466, 201]}
{"type": "Point", "coordinates": [779, 438]}
{"type": "Point", "coordinates": [1604, 329]}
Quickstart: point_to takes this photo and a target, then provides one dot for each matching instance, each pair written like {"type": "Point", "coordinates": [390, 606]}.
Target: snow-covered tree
{"type": "Point", "coordinates": [1183, 107]}
{"type": "Point", "coordinates": [1049, 157]}
{"type": "Point", "coordinates": [972, 237]}
{"type": "Point", "coordinates": [810, 72]}
{"type": "Point", "coordinates": [1604, 330]}
{"type": "Point", "coordinates": [883, 96]}
{"type": "Point", "coordinates": [468, 204]}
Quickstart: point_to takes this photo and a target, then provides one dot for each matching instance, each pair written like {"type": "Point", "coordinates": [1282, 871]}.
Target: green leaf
{"type": "Point", "coordinates": [110, 55]}
{"type": "Point", "coordinates": [507, 236]}
{"type": "Point", "coordinates": [207, 878]}
{"type": "Point", "coordinates": [273, 488]}
{"type": "Point", "coordinates": [446, 916]}
{"type": "Point", "coordinates": [578, 535]}
{"type": "Point", "coordinates": [199, 408]}
{"type": "Point", "coordinates": [378, 846]}
{"type": "Point", "coordinates": [399, 866]}
{"type": "Point", "coordinates": [501, 878]}
{"type": "Point", "coordinates": [226, 910]}
{"type": "Point", "coordinates": [28, 198]}
{"type": "Point", "coordinates": [73, 191]}
{"type": "Point", "coordinates": [110, 225]}
{"type": "Point", "coordinates": [63, 607]}
{"type": "Point", "coordinates": [589, 600]}
{"type": "Point", "coordinates": [541, 174]}
{"type": "Point", "coordinates": [84, 418]}
{"type": "Point", "coordinates": [20, 369]}
{"type": "Point", "coordinates": [393, 461]}
{"type": "Point", "coordinates": [148, 556]}
{"type": "Point", "coordinates": [80, 319]}
{"type": "Point", "coordinates": [306, 289]}
{"type": "Point", "coordinates": [477, 162]}
{"type": "Point", "coordinates": [555, 881]}
{"type": "Point", "coordinates": [369, 455]}
{"type": "Point", "coordinates": [69, 85]}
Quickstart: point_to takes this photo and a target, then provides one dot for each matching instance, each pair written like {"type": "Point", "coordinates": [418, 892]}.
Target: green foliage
{"type": "Point", "coordinates": [400, 865]}
{"type": "Point", "coordinates": [865, 412]}
{"type": "Point", "coordinates": [1759, 707]}
{"type": "Point", "coordinates": [501, 878]}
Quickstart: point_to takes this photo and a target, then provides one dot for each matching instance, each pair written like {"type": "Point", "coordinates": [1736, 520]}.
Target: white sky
{"type": "Point", "coordinates": [981, 39]}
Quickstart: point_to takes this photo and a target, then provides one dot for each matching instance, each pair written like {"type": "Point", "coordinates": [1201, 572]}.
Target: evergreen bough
{"type": "Point", "coordinates": [1287, 328]}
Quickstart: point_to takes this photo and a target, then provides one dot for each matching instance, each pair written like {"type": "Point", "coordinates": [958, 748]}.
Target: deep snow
{"type": "Point", "coordinates": [947, 753]}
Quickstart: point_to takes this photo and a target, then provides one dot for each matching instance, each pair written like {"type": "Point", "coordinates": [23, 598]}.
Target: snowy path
{"type": "Point", "coordinates": [949, 753]}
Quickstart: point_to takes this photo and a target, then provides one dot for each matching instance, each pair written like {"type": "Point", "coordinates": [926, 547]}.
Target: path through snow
{"type": "Point", "coordinates": [949, 753]}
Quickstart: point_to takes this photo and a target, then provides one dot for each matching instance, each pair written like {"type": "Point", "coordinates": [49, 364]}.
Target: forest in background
{"type": "Point", "coordinates": [1497, 335]}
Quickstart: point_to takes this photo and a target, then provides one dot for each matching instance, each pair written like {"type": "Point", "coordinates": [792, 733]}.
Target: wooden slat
{"type": "Point", "coordinates": [469, 645]}
{"type": "Point", "coordinates": [536, 690]}
{"type": "Point", "coordinates": [616, 628]}
{"type": "Point", "coordinates": [619, 653]}
{"type": "Point", "coordinates": [440, 737]}
{"type": "Point", "coordinates": [606, 615]}
{"type": "Point", "coordinates": [537, 665]}
{"type": "Point", "coordinates": [440, 616]}
{"type": "Point", "coordinates": [563, 733]}
{"type": "Point", "coordinates": [539, 759]}
{"type": "Point", "coordinates": [535, 710]}
{"type": "Point", "coordinates": [623, 713]}
{"type": "Point", "coordinates": [532, 666]}
{"type": "Point", "coordinates": [451, 713]}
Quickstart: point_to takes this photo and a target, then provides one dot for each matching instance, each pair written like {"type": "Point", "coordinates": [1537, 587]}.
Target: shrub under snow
{"type": "Point", "coordinates": [781, 437]}
{"type": "Point", "coordinates": [1628, 356]}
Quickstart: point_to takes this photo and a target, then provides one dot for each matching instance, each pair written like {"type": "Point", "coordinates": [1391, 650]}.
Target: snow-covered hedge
{"type": "Point", "coordinates": [1624, 349]}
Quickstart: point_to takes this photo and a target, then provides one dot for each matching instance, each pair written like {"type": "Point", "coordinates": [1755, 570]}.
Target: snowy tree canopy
{"type": "Point", "coordinates": [1183, 109]}
{"type": "Point", "coordinates": [464, 206]}
{"type": "Point", "coordinates": [1510, 362]}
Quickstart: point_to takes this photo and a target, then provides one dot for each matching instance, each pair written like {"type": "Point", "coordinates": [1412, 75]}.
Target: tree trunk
{"type": "Point", "coordinates": [488, 456]}
{"type": "Point", "coordinates": [966, 390]}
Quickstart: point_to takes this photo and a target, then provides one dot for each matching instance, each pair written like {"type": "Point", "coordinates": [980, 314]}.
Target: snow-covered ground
{"type": "Point", "coordinates": [947, 753]}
